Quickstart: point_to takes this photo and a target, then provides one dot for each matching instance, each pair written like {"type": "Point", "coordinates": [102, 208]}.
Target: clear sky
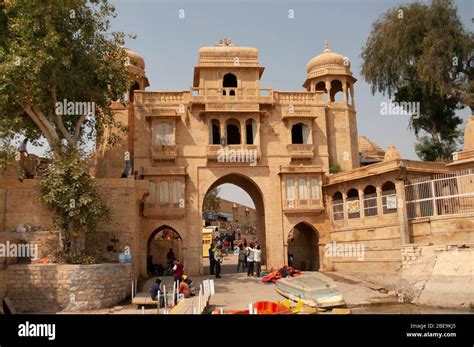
{"type": "Point", "coordinates": [170, 46]}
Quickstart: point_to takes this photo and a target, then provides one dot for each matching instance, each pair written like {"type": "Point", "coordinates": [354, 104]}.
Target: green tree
{"type": "Point", "coordinates": [421, 53]}
{"type": "Point", "coordinates": [75, 200]}
{"type": "Point", "coordinates": [55, 53]}
{"type": "Point", "coordinates": [211, 201]}
{"type": "Point", "coordinates": [436, 125]}
{"type": "Point", "coordinates": [51, 51]}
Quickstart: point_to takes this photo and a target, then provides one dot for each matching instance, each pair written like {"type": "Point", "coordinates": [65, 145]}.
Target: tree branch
{"type": "Point", "coordinates": [59, 118]}
{"type": "Point", "coordinates": [43, 124]}
{"type": "Point", "coordinates": [460, 95]}
{"type": "Point", "coordinates": [77, 131]}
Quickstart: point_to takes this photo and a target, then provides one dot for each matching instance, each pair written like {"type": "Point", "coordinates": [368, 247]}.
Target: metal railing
{"type": "Point", "coordinates": [442, 194]}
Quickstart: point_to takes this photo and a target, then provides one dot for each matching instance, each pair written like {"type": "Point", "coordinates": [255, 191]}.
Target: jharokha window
{"type": "Point", "coordinates": [164, 134]}
{"type": "Point", "coordinates": [302, 191]}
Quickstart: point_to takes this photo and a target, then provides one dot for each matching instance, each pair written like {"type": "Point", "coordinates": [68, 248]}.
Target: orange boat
{"type": "Point", "coordinates": [262, 307]}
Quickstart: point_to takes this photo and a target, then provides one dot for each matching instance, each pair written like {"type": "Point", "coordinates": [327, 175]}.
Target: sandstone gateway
{"type": "Point", "coordinates": [314, 181]}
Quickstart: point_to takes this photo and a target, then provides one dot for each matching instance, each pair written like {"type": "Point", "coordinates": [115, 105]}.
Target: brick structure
{"type": "Point", "coordinates": [53, 288]}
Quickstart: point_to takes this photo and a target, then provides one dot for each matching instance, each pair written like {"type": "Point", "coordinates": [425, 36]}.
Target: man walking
{"type": "Point", "coordinates": [241, 258]}
{"type": "Point", "coordinates": [257, 259]}
{"type": "Point", "coordinates": [212, 262]}
{"type": "Point", "coordinates": [218, 260]}
{"type": "Point", "coordinates": [250, 259]}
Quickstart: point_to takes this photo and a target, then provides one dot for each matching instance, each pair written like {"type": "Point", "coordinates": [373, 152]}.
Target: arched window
{"type": "Point", "coordinates": [164, 134]}
{"type": "Point", "coordinates": [152, 194]}
{"type": "Point", "coordinates": [233, 132]}
{"type": "Point", "coordinates": [336, 91]}
{"type": "Point", "coordinates": [321, 87]}
{"type": "Point", "coordinates": [290, 192]}
{"type": "Point", "coordinates": [315, 188]}
{"type": "Point", "coordinates": [353, 204]}
{"type": "Point", "coordinates": [337, 206]}
{"type": "Point", "coordinates": [302, 189]}
{"type": "Point", "coordinates": [177, 193]}
{"type": "Point", "coordinates": [164, 192]}
{"type": "Point", "coordinates": [250, 131]}
{"type": "Point", "coordinates": [299, 133]}
{"type": "Point", "coordinates": [370, 201]}
{"type": "Point", "coordinates": [215, 132]}
{"type": "Point", "coordinates": [229, 81]}
{"type": "Point", "coordinates": [389, 198]}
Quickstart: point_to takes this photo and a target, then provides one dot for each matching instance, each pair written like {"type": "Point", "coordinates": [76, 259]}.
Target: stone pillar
{"type": "Point", "coordinates": [222, 129]}
{"type": "Point", "coordinates": [344, 202]}
{"type": "Point", "coordinates": [379, 200]}
{"type": "Point", "coordinates": [402, 212]}
{"type": "Point", "coordinates": [361, 204]}
{"type": "Point", "coordinates": [328, 88]}
{"type": "Point", "coordinates": [344, 90]}
{"type": "Point", "coordinates": [243, 137]}
{"type": "Point", "coordinates": [352, 94]}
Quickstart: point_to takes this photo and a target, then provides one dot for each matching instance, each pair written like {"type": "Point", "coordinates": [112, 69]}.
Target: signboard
{"type": "Point", "coordinates": [353, 206]}
{"type": "Point", "coordinates": [391, 202]}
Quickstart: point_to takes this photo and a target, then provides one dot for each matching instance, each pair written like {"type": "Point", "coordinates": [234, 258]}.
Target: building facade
{"type": "Point", "coordinates": [296, 153]}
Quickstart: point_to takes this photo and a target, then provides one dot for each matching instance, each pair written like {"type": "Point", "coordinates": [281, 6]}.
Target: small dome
{"type": "Point", "coordinates": [469, 134]}
{"type": "Point", "coordinates": [392, 153]}
{"type": "Point", "coordinates": [135, 59]}
{"type": "Point", "coordinates": [327, 60]}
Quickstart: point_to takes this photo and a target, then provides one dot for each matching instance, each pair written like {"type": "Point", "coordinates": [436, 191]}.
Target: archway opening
{"type": "Point", "coordinates": [303, 251]}
{"type": "Point", "coordinates": [163, 246]}
{"type": "Point", "coordinates": [233, 210]}
{"type": "Point", "coordinates": [229, 81]}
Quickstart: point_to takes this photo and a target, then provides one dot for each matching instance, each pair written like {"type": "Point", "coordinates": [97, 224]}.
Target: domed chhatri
{"type": "Point", "coordinates": [328, 58]}
{"type": "Point", "coordinates": [330, 73]}
{"type": "Point", "coordinates": [136, 59]}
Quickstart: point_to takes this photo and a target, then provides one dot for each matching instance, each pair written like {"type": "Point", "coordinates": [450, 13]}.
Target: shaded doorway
{"type": "Point", "coordinates": [303, 247]}
{"type": "Point", "coordinates": [163, 245]}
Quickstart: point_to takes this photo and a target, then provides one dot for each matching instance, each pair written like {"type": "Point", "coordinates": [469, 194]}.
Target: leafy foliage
{"type": "Point", "coordinates": [52, 51]}
{"type": "Point", "coordinates": [422, 45]}
{"type": "Point", "coordinates": [211, 201]}
{"type": "Point", "coordinates": [70, 193]}
{"type": "Point", "coordinates": [437, 118]}
{"type": "Point", "coordinates": [61, 256]}
{"type": "Point", "coordinates": [421, 53]}
{"type": "Point", "coordinates": [335, 168]}
{"type": "Point", "coordinates": [429, 150]}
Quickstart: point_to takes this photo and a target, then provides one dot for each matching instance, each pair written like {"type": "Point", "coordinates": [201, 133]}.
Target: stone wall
{"type": "Point", "coordinates": [443, 229]}
{"type": "Point", "coordinates": [438, 275]}
{"type": "Point", "coordinates": [44, 288]}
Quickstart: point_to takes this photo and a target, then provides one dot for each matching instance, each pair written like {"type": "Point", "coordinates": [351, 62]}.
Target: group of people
{"type": "Point", "coordinates": [249, 257]}
{"type": "Point", "coordinates": [185, 283]}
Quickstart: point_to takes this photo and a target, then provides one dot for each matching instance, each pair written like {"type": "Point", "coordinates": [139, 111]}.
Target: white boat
{"type": "Point", "coordinates": [313, 288]}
